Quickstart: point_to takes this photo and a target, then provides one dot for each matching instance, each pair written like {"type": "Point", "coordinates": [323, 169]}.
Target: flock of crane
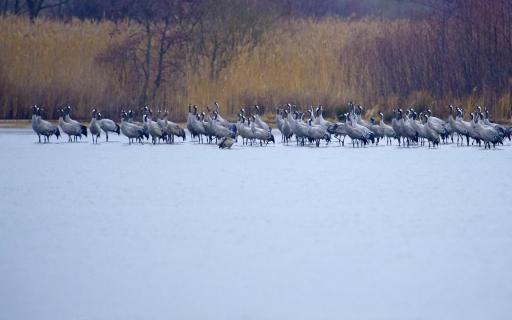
{"type": "Point", "coordinates": [407, 127]}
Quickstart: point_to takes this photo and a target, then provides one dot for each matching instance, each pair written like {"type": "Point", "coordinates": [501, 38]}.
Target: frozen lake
{"type": "Point", "coordinates": [188, 231]}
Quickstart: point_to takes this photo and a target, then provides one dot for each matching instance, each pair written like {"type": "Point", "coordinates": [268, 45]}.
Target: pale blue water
{"type": "Point", "coordinates": [187, 231]}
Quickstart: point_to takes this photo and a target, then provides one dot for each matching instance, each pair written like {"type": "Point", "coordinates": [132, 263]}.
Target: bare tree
{"type": "Point", "coordinates": [227, 26]}
{"type": "Point", "coordinates": [155, 53]}
{"type": "Point", "coordinates": [14, 7]}
{"type": "Point", "coordinates": [34, 7]}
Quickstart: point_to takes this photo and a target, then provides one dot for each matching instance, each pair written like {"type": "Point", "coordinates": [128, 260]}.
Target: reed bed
{"type": "Point", "coordinates": [378, 63]}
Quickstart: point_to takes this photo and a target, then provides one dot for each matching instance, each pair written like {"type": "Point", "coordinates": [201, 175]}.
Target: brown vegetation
{"type": "Point", "coordinates": [463, 58]}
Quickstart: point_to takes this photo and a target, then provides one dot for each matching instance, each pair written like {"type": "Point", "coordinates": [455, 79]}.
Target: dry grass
{"type": "Point", "coordinates": [375, 62]}
{"type": "Point", "coordinates": [378, 63]}
{"type": "Point", "coordinates": [53, 64]}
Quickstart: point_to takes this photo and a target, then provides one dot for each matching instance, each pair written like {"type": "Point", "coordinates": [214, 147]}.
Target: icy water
{"type": "Point", "coordinates": [188, 231]}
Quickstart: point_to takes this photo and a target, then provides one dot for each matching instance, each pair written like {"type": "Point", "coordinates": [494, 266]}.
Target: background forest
{"type": "Point", "coordinates": [118, 54]}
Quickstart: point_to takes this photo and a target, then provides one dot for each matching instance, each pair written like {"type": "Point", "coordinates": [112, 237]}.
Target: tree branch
{"type": "Point", "coordinates": [53, 5]}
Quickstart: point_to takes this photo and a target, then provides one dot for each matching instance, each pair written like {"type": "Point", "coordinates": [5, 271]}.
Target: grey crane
{"type": "Point", "coordinates": [408, 129]}
{"type": "Point", "coordinates": [457, 126]}
{"type": "Point", "coordinates": [498, 127]}
{"type": "Point", "coordinates": [220, 131]}
{"type": "Point", "coordinates": [35, 115]}
{"type": "Point", "coordinates": [357, 132]}
{"type": "Point", "coordinates": [205, 118]}
{"type": "Point", "coordinates": [94, 126]}
{"type": "Point", "coordinates": [170, 128]}
{"type": "Point", "coordinates": [197, 125]}
{"type": "Point", "coordinates": [73, 130]}
{"type": "Point", "coordinates": [280, 122]}
{"type": "Point", "coordinates": [386, 129]}
{"type": "Point", "coordinates": [107, 125]}
{"type": "Point", "coordinates": [438, 125]}
{"type": "Point", "coordinates": [67, 119]}
{"type": "Point", "coordinates": [317, 133]}
{"type": "Point", "coordinates": [257, 120]}
{"type": "Point", "coordinates": [301, 128]}
{"type": "Point", "coordinates": [155, 130]}
{"type": "Point", "coordinates": [468, 126]}
{"type": "Point", "coordinates": [431, 134]}
{"type": "Point", "coordinates": [487, 133]}
{"type": "Point", "coordinates": [286, 129]}
{"type": "Point", "coordinates": [245, 131]}
{"type": "Point", "coordinates": [131, 130]}
{"type": "Point", "coordinates": [129, 119]}
{"type": "Point", "coordinates": [45, 128]}
{"type": "Point", "coordinates": [396, 124]}
{"type": "Point", "coordinates": [190, 121]}
{"type": "Point", "coordinates": [377, 130]}
{"type": "Point", "coordinates": [261, 134]}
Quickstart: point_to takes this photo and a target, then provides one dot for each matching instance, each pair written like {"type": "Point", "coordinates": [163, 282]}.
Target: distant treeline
{"type": "Point", "coordinates": [119, 9]}
{"type": "Point", "coordinates": [117, 54]}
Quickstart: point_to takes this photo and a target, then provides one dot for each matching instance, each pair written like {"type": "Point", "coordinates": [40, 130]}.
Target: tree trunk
{"type": "Point", "coordinates": [5, 7]}
{"type": "Point", "coordinates": [34, 7]}
{"type": "Point", "coordinates": [162, 49]}
{"type": "Point", "coordinates": [143, 99]}
{"type": "Point", "coordinates": [17, 7]}
{"type": "Point", "coordinates": [213, 61]}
